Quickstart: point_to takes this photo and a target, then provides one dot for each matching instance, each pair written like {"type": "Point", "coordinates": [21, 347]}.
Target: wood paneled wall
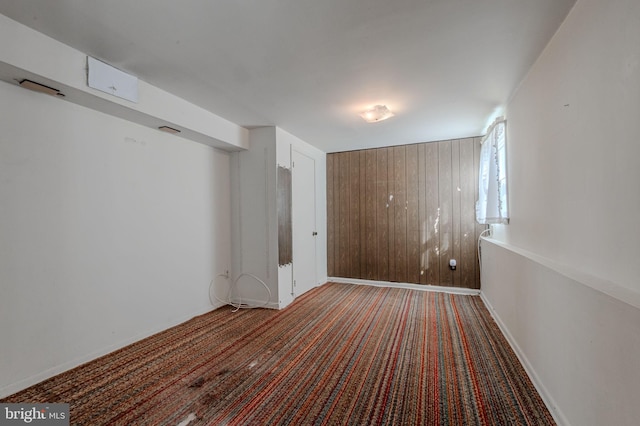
{"type": "Point", "coordinates": [400, 213]}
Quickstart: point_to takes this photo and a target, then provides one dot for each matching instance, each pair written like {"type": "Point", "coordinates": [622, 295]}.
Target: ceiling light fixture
{"type": "Point", "coordinates": [376, 113]}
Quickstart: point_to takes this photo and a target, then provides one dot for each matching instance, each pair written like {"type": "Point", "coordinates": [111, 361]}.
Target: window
{"type": "Point", "coordinates": [492, 206]}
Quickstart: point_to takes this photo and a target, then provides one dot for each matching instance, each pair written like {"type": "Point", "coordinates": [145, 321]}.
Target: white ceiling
{"type": "Point", "coordinates": [445, 67]}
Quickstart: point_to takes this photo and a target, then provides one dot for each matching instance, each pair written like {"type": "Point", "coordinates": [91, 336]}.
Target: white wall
{"type": "Point", "coordinates": [581, 345]}
{"type": "Point", "coordinates": [254, 220]}
{"type": "Point", "coordinates": [574, 156]}
{"type": "Point", "coordinates": [254, 214]}
{"type": "Point", "coordinates": [563, 276]}
{"type": "Point", "coordinates": [109, 231]}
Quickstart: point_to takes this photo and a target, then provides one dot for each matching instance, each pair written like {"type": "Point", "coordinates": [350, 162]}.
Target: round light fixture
{"type": "Point", "coordinates": [376, 113]}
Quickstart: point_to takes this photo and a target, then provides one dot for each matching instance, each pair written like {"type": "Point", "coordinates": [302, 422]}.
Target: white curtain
{"type": "Point", "coordinates": [492, 206]}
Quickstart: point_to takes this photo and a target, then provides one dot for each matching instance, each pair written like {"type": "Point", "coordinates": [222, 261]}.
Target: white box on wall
{"type": "Point", "coordinates": [111, 80]}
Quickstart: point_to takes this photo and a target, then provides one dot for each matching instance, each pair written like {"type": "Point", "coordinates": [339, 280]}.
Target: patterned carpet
{"type": "Point", "coordinates": [340, 354]}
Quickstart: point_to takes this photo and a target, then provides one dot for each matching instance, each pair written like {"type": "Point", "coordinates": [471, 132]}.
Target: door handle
{"type": "Point", "coordinates": [314, 233]}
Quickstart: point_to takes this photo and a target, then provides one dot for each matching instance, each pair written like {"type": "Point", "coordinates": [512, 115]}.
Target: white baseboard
{"type": "Point", "coordinates": [560, 419]}
{"type": "Point", "coordinates": [424, 287]}
{"type": "Point", "coordinates": [58, 369]}
{"type": "Point", "coordinates": [255, 303]}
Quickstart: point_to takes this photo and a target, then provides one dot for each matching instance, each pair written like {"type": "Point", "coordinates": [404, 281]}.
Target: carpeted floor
{"type": "Point", "coordinates": [340, 354]}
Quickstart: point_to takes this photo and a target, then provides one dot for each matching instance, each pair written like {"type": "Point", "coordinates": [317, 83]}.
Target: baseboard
{"type": "Point", "coordinates": [255, 303]}
{"type": "Point", "coordinates": [560, 419]}
{"type": "Point", "coordinates": [423, 287]}
{"type": "Point", "coordinates": [58, 369]}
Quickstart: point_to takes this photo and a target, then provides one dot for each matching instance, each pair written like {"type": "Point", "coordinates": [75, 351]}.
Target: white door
{"type": "Point", "coordinates": [304, 222]}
